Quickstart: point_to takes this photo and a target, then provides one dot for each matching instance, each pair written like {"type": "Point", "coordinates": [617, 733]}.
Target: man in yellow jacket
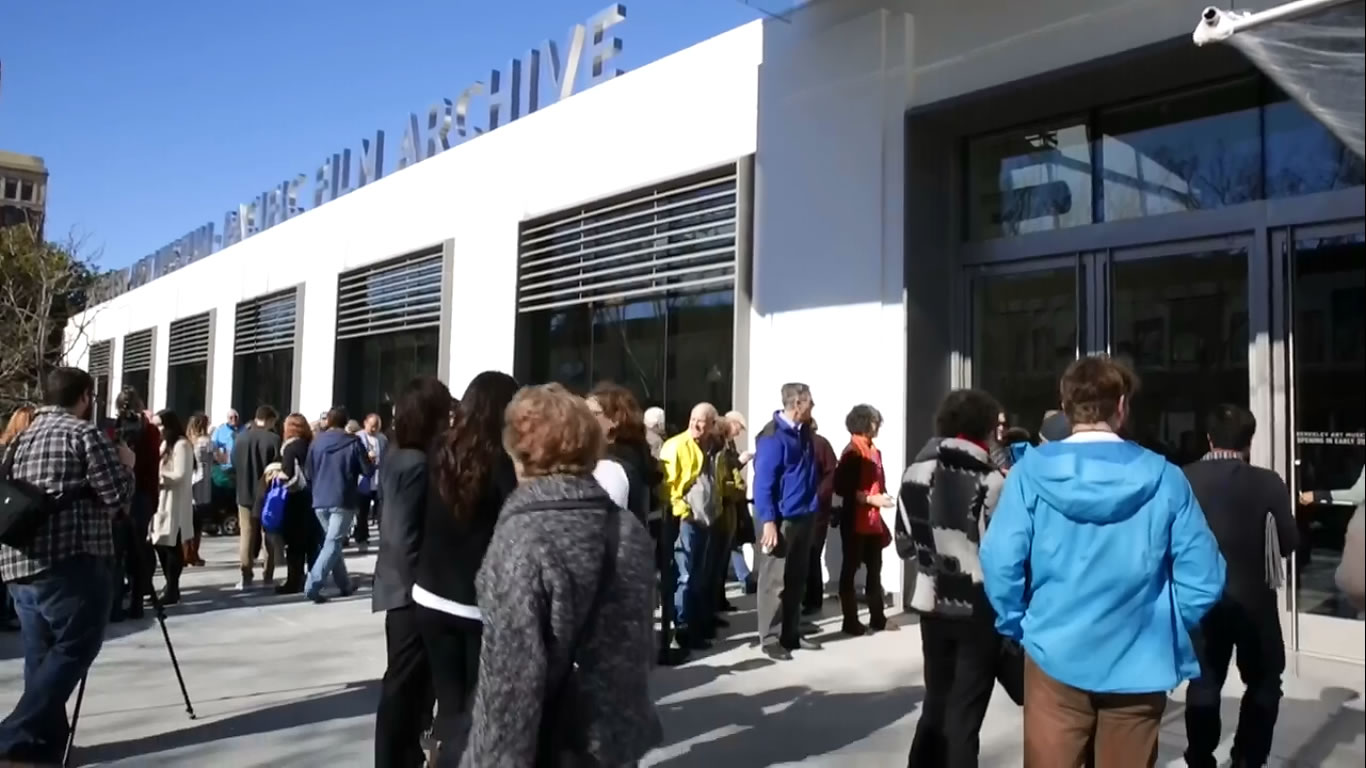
{"type": "Point", "coordinates": [696, 485]}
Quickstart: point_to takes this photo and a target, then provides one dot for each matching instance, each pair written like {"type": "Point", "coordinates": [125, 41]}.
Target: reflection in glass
{"type": "Point", "coordinates": [1181, 322]}
{"type": "Point", "coordinates": [1025, 334]}
{"type": "Point", "coordinates": [701, 335]}
{"type": "Point", "coordinates": [673, 351]}
{"type": "Point", "coordinates": [1302, 156]}
{"type": "Point", "coordinates": [265, 378]}
{"type": "Point", "coordinates": [628, 346]}
{"type": "Point", "coordinates": [1030, 180]}
{"type": "Point", "coordinates": [371, 371]}
{"type": "Point", "coordinates": [1195, 151]}
{"type": "Point", "coordinates": [140, 381]}
{"type": "Point", "coordinates": [1329, 338]}
{"type": "Point", "coordinates": [186, 387]}
{"type": "Point", "coordinates": [559, 346]}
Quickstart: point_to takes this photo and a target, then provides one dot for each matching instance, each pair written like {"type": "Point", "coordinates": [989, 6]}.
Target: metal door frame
{"type": "Point", "coordinates": [1325, 635]}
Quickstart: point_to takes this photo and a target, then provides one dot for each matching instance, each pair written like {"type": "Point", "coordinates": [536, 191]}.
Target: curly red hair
{"type": "Point", "coordinates": [549, 430]}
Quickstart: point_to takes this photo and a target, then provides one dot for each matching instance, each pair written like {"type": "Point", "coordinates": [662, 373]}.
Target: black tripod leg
{"type": "Point", "coordinates": [75, 718]}
{"type": "Point", "coordinates": [170, 649]}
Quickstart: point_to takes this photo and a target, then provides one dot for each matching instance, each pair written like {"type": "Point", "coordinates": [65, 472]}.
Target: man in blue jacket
{"type": "Point", "coordinates": [336, 463]}
{"type": "Point", "coordinates": [786, 480]}
{"type": "Point", "coordinates": [1098, 560]}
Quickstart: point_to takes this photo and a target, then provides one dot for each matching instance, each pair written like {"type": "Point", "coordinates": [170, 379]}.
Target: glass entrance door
{"type": "Point", "coordinates": [1178, 314]}
{"type": "Point", "coordinates": [1326, 315]}
{"type": "Point", "coordinates": [1024, 329]}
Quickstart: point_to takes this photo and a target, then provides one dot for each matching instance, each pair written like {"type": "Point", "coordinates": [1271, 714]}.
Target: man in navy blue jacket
{"type": "Point", "coordinates": [336, 463]}
{"type": "Point", "coordinates": [786, 480]}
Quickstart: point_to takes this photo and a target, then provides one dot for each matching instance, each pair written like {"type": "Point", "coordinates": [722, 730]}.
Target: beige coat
{"type": "Point", "coordinates": [175, 506]}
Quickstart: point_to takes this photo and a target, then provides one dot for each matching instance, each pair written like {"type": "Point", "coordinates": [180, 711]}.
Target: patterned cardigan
{"type": "Point", "coordinates": [947, 497]}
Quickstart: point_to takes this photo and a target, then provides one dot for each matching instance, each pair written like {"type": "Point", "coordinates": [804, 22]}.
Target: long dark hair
{"type": "Point", "coordinates": [472, 448]}
{"type": "Point", "coordinates": [172, 430]}
{"type": "Point", "coordinates": [421, 413]}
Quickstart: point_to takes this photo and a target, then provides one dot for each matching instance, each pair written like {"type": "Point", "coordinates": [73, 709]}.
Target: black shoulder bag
{"type": "Point", "coordinates": [24, 507]}
{"type": "Point", "coordinates": [564, 724]}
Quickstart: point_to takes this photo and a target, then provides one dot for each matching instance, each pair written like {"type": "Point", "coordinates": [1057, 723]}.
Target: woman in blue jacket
{"type": "Point", "coordinates": [1100, 563]}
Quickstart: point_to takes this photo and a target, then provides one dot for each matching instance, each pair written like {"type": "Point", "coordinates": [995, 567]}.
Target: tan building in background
{"type": "Point", "coordinates": [23, 189]}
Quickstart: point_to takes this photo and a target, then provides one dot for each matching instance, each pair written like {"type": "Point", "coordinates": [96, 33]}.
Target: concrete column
{"type": "Point", "coordinates": [828, 305]}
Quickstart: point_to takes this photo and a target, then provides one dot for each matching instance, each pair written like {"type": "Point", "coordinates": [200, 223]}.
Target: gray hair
{"type": "Point", "coordinates": [794, 391]}
{"type": "Point", "coordinates": [654, 418]}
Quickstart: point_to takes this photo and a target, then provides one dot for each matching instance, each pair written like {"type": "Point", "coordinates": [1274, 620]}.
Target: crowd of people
{"type": "Point", "coordinates": [527, 535]}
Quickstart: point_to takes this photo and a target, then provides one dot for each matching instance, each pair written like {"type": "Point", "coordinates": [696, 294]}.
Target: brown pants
{"type": "Point", "coordinates": [1062, 722]}
{"type": "Point", "coordinates": [249, 540]}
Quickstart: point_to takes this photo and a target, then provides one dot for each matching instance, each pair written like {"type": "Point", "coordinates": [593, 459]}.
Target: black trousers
{"type": "Point", "coordinates": [1252, 629]}
{"type": "Point", "coordinates": [452, 646]}
{"type": "Point", "coordinates": [172, 559]}
{"type": "Point", "coordinates": [406, 696]}
{"type": "Point", "coordinates": [960, 658]}
{"type": "Point", "coordinates": [362, 530]}
{"type": "Point", "coordinates": [865, 550]}
{"type": "Point", "coordinates": [782, 583]}
{"type": "Point", "coordinates": [815, 577]}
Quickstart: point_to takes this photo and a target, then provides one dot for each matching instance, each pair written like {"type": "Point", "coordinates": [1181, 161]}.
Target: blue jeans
{"type": "Point", "coordinates": [738, 564]}
{"type": "Point", "coordinates": [62, 615]}
{"type": "Point", "coordinates": [336, 524]}
{"type": "Point", "coordinates": [695, 586]}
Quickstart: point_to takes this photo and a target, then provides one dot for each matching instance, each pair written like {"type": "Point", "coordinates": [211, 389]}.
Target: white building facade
{"type": "Point", "coordinates": [885, 200]}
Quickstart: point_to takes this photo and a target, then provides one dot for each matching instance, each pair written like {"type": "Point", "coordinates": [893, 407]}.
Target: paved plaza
{"type": "Point", "coordinates": [278, 681]}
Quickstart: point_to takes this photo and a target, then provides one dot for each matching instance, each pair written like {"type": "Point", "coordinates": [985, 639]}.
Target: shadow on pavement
{"type": "Point", "coordinates": [784, 725]}
{"type": "Point", "coordinates": [355, 700]}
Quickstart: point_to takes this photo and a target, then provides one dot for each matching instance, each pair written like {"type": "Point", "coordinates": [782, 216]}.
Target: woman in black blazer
{"type": "Point", "coordinates": [406, 694]}
{"type": "Point", "coordinates": [471, 477]}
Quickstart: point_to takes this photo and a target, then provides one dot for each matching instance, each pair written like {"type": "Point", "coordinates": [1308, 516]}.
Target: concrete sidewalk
{"type": "Point", "coordinates": [282, 682]}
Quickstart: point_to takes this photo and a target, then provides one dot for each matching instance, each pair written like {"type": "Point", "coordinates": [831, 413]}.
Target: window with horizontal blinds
{"type": "Point", "coordinates": [137, 351]}
{"type": "Point", "coordinates": [402, 294]}
{"type": "Point", "coordinates": [101, 358]}
{"type": "Point", "coordinates": [266, 323]}
{"type": "Point", "coordinates": [670, 238]}
{"type": "Point", "coordinates": [189, 340]}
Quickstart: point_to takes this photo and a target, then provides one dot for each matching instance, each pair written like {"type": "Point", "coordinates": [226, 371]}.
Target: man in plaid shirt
{"type": "Point", "coordinates": [61, 581]}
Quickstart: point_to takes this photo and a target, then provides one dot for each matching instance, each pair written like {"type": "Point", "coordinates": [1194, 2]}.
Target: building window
{"type": "Point", "coordinates": [1030, 180]}
{"type": "Point", "coordinates": [388, 330]}
{"type": "Point", "coordinates": [263, 352]}
{"type": "Point", "coordinates": [638, 290]}
{"type": "Point", "coordinates": [1207, 147]}
{"type": "Point", "coordinates": [137, 363]}
{"type": "Point", "coordinates": [100, 367]}
{"type": "Point", "coordinates": [1193, 151]}
{"type": "Point", "coordinates": [187, 369]}
{"type": "Point", "coordinates": [11, 189]}
{"type": "Point", "coordinates": [26, 190]}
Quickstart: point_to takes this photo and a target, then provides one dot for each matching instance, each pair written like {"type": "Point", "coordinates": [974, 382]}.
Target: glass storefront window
{"type": "Point", "coordinates": [140, 381]}
{"type": "Point", "coordinates": [1302, 156]}
{"type": "Point", "coordinates": [371, 371]}
{"type": "Point", "coordinates": [673, 351]}
{"type": "Point", "coordinates": [1329, 337]}
{"type": "Point", "coordinates": [186, 387]}
{"type": "Point", "coordinates": [1030, 180]}
{"type": "Point", "coordinates": [265, 378]}
{"type": "Point", "coordinates": [628, 346]}
{"type": "Point", "coordinates": [1181, 322]}
{"type": "Point", "coordinates": [1194, 151]}
{"type": "Point", "coordinates": [560, 345]}
{"type": "Point", "coordinates": [1025, 328]}
{"type": "Point", "coordinates": [701, 333]}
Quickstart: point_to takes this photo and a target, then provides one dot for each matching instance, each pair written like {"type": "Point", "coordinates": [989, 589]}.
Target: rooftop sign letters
{"type": "Point", "coordinates": [548, 73]}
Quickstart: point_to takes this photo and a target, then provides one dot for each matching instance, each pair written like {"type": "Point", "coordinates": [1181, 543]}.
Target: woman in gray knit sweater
{"type": "Point", "coordinates": [566, 596]}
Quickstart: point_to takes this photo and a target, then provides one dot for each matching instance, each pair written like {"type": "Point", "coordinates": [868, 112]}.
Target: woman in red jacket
{"type": "Point", "coordinates": [862, 487]}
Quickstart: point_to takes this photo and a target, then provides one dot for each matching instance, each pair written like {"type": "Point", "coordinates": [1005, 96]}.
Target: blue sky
{"type": "Point", "coordinates": [156, 116]}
